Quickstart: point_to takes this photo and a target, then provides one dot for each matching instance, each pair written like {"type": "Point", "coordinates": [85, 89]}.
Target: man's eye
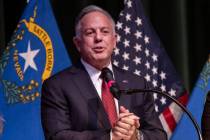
{"type": "Point", "coordinates": [88, 33]}
{"type": "Point", "coordinates": [106, 31]}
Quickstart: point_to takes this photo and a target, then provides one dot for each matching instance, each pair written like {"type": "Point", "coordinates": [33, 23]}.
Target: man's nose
{"type": "Point", "coordinates": [98, 37]}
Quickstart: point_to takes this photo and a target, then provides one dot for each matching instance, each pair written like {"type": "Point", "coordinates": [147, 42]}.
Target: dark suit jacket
{"type": "Point", "coordinates": [72, 110]}
{"type": "Point", "coordinates": [206, 119]}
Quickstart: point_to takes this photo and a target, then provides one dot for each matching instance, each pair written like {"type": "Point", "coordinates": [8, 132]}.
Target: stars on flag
{"type": "Point", "coordinates": [137, 47]}
{"type": "Point", "coordinates": [162, 75]}
{"type": "Point", "coordinates": [147, 64]}
{"type": "Point", "coordinates": [137, 72]}
{"type": "Point", "coordinates": [116, 51]}
{"type": "Point", "coordinates": [138, 34]}
{"type": "Point", "coordinates": [125, 67]}
{"type": "Point", "coordinates": [119, 25]}
{"type": "Point", "coordinates": [147, 52]}
{"type": "Point", "coordinates": [129, 4]}
{"type": "Point", "coordinates": [154, 83]}
{"type": "Point", "coordinates": [126, 56]}
{"type": "Point", "coordinates": [154, 57]}
{"type": "Point", "coordinates": [163, 100]}
{"type": "Point", "coordinates": [137, 60]}
{"type": "Point", "coordinates": [127, 30]}
{"type": "Point", "coordinates": [138, 21]}
{"type": "Point", "coordinates": [128, 17]}
{"type": "Point", "coordinates": [172, 92]}
{"type": "Point", "coordinates": [29, 57]}
{"type": "Point", "coordinates": [154, 70]}
{"type": "Point", "coordinates": [147, 77]}
{"type": "Point", "coordinates": [146, 39]}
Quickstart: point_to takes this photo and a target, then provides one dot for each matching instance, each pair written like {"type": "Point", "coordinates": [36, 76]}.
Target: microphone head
{"type": "Point", "coordinates": [107, 75]}
{"type": "Point", "coordinates": [114, 89]}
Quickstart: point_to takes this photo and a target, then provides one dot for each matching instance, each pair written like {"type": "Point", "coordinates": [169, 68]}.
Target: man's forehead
{"type": "Point", "coordinates": [97, 28]}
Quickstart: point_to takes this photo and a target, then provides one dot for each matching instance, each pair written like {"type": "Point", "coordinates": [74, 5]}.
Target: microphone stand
{"type": "Point", "coordinates": [131, 91]}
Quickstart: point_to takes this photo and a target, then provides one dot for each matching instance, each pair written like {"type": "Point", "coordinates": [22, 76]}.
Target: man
{"type": "Point", "coordinates": [206, 119]}
{"type": "Point", "coordinates": [76, 104]}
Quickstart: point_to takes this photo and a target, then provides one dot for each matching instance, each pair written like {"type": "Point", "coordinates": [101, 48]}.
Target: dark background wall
{"type": "Point", "coordinates": [182, 26]}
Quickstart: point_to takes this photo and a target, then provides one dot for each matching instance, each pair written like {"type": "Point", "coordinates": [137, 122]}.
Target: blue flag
{"type": "Point", "coordinates": [185, 130]}
{"type": "Point", "coordinates": [35, 52]}
{"type": "Point", "coordinates": [139, 51]}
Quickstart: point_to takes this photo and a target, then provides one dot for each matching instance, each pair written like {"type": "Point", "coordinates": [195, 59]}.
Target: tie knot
{"type": "Point", "coordinates": [106, 74]}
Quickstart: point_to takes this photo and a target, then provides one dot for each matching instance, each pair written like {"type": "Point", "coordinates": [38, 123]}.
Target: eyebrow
{"type": "Point", "coordinates": [103, 27]}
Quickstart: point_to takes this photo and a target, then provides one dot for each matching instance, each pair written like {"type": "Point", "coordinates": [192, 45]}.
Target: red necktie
{"type": "Point", "coordinates": [109, 104]}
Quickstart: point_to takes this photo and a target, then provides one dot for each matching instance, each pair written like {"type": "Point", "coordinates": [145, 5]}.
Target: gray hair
{"type": "Point", "coordinates": [89, 9]}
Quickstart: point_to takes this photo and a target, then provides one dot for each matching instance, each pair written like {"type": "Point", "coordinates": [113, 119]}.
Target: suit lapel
{"type": "Point", "coordinates": [123, 83]}
{"type": "Point", "coordinates": [87, 89]}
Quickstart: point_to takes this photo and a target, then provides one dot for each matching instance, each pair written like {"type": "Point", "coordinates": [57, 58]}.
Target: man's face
{"type": "Point", "coordinates": [97, 39]}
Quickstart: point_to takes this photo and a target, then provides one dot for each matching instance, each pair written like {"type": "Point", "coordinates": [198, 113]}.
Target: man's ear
{"type": "Point", "coordinates": [77, 42]}
{"type": "Point", "coordinates": [116, 36]}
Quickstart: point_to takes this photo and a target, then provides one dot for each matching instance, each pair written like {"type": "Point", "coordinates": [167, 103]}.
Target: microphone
{"type": "Point", "coordinates": [189, 114]}
{"type": "Point", "coordinates": [107, 75]}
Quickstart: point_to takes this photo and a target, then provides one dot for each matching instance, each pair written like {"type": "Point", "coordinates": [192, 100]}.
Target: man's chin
{"type": "Point", "coordinates": [102, 59]}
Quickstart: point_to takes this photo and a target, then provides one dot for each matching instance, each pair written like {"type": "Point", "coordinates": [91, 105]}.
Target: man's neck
{"type": "Point", "coordinates": [86, 64]}
{"type": "Point", "coordinates": [98, 66]}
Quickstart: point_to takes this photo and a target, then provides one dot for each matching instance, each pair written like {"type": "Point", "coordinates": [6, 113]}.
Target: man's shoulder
{"type": "Point", "coordinates": [63, 74]}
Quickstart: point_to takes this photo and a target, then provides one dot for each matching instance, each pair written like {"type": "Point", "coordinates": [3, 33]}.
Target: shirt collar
{"type": "Point", "coordinates": [92, 71]}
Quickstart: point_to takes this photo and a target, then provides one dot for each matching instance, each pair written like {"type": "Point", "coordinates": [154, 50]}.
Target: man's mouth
{"type": "Point", "coordinates": [98, 49]}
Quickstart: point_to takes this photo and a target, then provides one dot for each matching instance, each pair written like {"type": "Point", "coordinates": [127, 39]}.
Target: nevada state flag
{"type": "Point", "coordinates": [35, 52]}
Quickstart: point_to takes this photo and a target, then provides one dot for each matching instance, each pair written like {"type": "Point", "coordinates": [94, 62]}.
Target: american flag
{"type": "Point", "coordinates": [139, 50]}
